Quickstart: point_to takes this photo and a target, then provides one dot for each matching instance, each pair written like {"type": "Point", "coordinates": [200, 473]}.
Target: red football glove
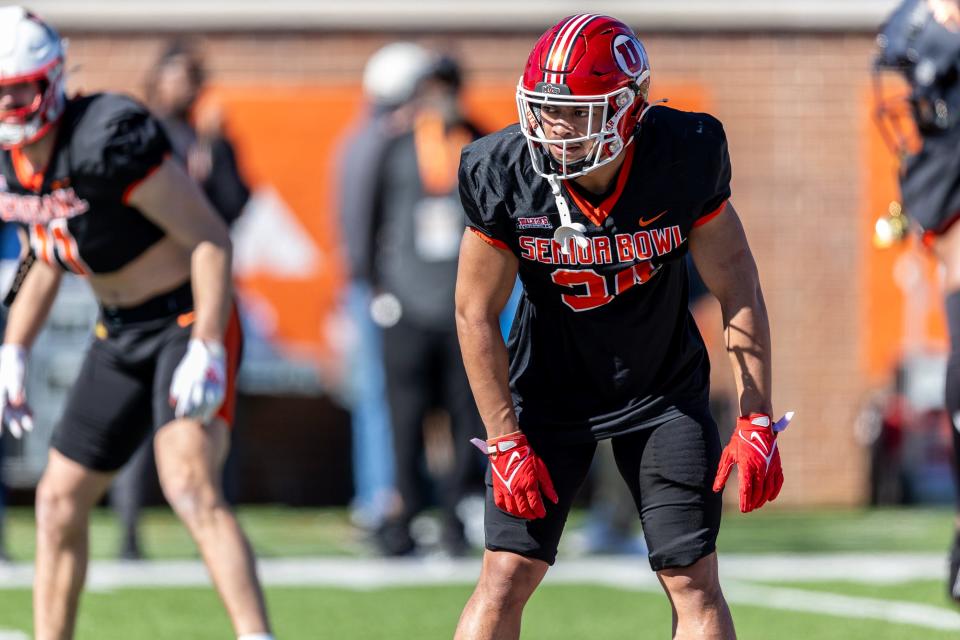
{"type": "Point", "coordinates": [519, 475]}
{"type": "Point", "coordinates": [753, 448]}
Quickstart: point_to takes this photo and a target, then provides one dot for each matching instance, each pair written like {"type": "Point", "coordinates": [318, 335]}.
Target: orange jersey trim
{"type": "Point", "coordinates": [597, 214]}
{"type": "Point", "coordinates": [493, 242]}
{"type": "Point", "coordinates": [707, 217]}
{"type": "Point", "coordinates": [128, 192]}
{"type": "Point", "coordinates": [67, 243]}
{"type": "Point", "coordinates": [45, 253]}
{"type": "Point", "coordinates": [25, 175]}
{"type": "Point", "coordinates": [233, 344]}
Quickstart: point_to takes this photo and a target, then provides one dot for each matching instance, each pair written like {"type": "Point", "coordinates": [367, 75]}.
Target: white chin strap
{"type": "Point", "coordinates": [568, 229]}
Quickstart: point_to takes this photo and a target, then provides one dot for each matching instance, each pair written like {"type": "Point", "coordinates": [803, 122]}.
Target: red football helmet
{"type": "Point", "coordinates": [586, 61]}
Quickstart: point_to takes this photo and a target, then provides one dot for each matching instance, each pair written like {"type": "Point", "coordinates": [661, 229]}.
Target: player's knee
{"type": "Point", "coordinates": [508, 580]}
{"type": "Point", "coordinates": [191, 496]}
{"type": "Point", "coordinates": [697, 585]}
{"type": "Point", "coordinates": [57, 512]}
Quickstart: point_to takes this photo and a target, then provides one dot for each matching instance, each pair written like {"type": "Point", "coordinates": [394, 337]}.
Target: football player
{"type": "Point", "coordinates": [921, 42]}
{"type": "Point", "coordinates": [92, 181]}
{"type": "Point", "coordinates": [594, 198]}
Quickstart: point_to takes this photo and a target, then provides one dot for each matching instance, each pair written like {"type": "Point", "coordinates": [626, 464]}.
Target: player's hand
{"type": "Point", "coordinates": [15, 413]}
{"type": "Point", "coordinates": [200, 381]}
{"type": "Point", "coordinates": [753, 448]}
{"type": "Point", "coordinates": [519, 476]}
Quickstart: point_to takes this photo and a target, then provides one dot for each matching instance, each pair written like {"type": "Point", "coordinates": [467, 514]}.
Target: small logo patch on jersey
{"type": "Point", "coordinates": [644, 222]}
{"type": "Point", "coordinates": [539, 222]}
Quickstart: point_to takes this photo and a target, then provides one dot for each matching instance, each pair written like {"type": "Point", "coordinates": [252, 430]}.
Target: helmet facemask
{"type": "Point", "coordinates": [31, 52]}
{"type": "Point", "coordinates": [604, 135]}
{"type": "Point", "coordinates": [24, 124]}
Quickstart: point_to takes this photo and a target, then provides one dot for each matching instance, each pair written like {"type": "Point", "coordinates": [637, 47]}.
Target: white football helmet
{"type": "Point", "coordinates": [393, 72]}
{"type": "Point", "coordinates": [30, 51]}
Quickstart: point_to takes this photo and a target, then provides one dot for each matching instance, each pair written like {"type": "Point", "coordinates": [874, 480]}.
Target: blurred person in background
{"type": "Point", "coordinates": [91, 179]}
{"type": "Point", "coordinates": [594, 199]}
{"type": "Point", "coordinates": [199, 142]}
{"type": "Point", "coordinates": [390, 78]}
{"type": "Point", "coordinates": [416, 223]}
{"type": "Point", "coordinates": [921, 42]}
{"type": "Point", "coordinates": [197, 135]}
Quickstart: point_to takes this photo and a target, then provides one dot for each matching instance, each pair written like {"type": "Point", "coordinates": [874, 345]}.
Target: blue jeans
{"type": "Point", "coordinates": [373, 466]}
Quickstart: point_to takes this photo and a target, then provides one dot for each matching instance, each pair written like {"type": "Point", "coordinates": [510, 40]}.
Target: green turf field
{"type": "Point", "coordinates": [431, 614]}
{"type": "Point", "coordinates": [284, 532]}
{"type": "Point", "coordinates": [556, 611]}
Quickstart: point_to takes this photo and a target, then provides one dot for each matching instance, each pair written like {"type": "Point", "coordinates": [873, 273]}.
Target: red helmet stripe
{"type": "Point", "coordinates": [559, 54]}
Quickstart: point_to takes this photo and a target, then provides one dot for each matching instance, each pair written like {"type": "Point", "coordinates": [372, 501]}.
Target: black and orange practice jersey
{"type": "Point", "coordinates": [76, 211]}
{"type": "Point", "coordinates": [603, 343]}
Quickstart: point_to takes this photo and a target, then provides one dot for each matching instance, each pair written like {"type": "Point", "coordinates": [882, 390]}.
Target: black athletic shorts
{"type": "Point", "coordinates": [670, 471]}
{"type": "Point", "coordinates": [122, 394]}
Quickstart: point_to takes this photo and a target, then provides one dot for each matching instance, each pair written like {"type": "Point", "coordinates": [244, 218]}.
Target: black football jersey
{"type": "Point", "coordinates": [603, 342]}
{"type": "Point", "coordinates": [76, 211]}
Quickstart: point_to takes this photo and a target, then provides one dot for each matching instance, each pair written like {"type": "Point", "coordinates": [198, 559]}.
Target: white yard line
{"type": "Point", "coordinates": [628, 573]}
{"type": "Point", "coordinates": [835, 604]}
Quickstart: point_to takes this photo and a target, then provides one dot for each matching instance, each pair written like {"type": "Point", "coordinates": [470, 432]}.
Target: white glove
{"type": "Point", "coordinates": [199, 382]}
{"type": "Point", "coordinates": [15, 413]}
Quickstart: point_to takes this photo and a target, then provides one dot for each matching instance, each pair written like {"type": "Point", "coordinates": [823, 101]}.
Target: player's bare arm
{"type": "Point", "coordinates": [32, 305]}
{"type": "Point", "coordinates": [722, 256]}
{"type": "Point", "coordinates": [485, 279]}
{"type": "Point", "coordinates": [27, 315]}
{"type": "Point", "coordinates": [174, 202]}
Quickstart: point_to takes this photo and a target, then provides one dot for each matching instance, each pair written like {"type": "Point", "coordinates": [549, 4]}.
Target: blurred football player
{"type": "Point", "coordinates": [594, 198]}
{"type": "Point", "coordinates": [921, 42]}
{"type": "Point", "coordinates": [198, 140]}
{"type": "Point", "coordinates": [92, 180]}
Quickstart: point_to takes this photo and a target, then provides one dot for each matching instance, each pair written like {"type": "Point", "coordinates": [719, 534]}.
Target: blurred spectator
{"type": "Point", "coordinates": [390, 78]}
{"type": "Point", "coordinates": [197, 135]}
{"type": "Point", "coordinates": [416, 226]}
{"type": "Point", "coordinates": [172, 88]}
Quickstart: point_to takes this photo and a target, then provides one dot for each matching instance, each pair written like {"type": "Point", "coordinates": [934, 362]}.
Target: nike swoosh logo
{"type": "Point", "coordinates": [756, 436]}
{"type": "Point", "coordinates": [644, 223]}
{"type": "Point", "coordinates": [763, 452]}
{"type": "Point", "coordinates": [509, 481]}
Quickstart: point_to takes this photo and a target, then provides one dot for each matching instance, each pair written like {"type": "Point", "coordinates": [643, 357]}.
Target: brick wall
{"type": "Point", "coordinates": [791, 105]}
